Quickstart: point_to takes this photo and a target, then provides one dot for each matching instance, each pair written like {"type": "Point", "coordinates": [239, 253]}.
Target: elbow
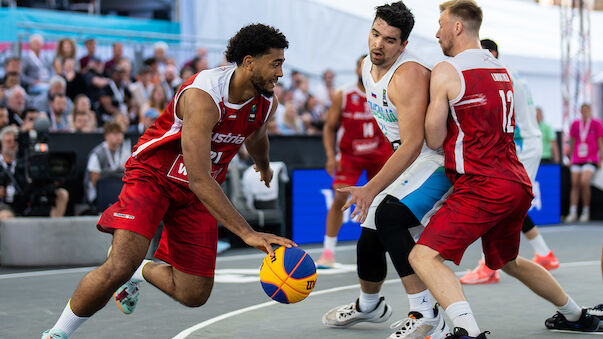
{"type": "Point", "coordinates": [433, 143]}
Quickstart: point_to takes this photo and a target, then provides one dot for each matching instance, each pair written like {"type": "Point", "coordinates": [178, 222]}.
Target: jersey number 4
{"type": "Point", "coordinates": [507, 106]}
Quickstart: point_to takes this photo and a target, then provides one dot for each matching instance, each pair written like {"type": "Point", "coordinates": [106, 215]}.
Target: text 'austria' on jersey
{"type": "Point", "coordinates": [229, 138]}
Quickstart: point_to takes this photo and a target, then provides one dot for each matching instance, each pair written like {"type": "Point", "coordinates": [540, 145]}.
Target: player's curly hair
{"type": "Point", "coordinates": [398, 15]}
{"type": "Point", "coordinates": [254, 40]}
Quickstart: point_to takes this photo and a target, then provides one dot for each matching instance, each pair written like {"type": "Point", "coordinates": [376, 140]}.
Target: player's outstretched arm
{"type": "Point", "coordinates": [445, 85]}
{"type": "Point", "coordinates": [200, 114]}
{"type": "Point", "coordinates": [328, 132]}
{"type": "Point", "coordinates": [408, 90]}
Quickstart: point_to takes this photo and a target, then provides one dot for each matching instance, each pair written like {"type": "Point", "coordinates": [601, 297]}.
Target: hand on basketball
{"type": "Point", "coordinates": [362, 197]}
{"type": "Point", "coordinates": [265, 174]}
{"type": "Point", "coordinates": [262, 241]}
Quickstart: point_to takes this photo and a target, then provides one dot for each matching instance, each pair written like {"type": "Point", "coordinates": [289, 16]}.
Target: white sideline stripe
{"type": "Point", "coordinates": [48, 272]}
{"type": "Point", "coordinates": [185, 333]}
{"type": "Point", "coordinates": [88, 269]}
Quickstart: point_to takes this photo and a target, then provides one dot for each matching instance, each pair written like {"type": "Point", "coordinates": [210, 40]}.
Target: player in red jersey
{"type": "Point", "coordinates": [361, 145]}
{"type": "Point", "coordinates": [471, 115]}
{"type": "Point", "coordinates": [174, 175]}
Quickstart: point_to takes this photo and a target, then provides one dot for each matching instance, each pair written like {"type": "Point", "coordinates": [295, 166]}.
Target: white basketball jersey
{"type": "Point", "coordinates": [526, 125]}
{"type": "Point", "coordinates": [381, 107]}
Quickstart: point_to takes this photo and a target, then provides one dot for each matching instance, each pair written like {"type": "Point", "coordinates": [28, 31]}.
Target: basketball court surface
{"type": "Point", "coordinates": [32, 300]}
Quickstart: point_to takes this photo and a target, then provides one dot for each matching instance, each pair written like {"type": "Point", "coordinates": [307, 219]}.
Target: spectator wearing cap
{"type": "Point", "coordinates": [90, 45]}
{"type": "Point", "coordinates": [15, 103]}
{"type": "Point", "coordinates": [148, 119]}
{"type": "Point", "coordinates": [118, 52]}
{"type": "Point", "coordinates": [35, 66]}
{"type": "Point", "coordinates": [57, 86]}
{"type": "Point", "coordinates": [108, 158]}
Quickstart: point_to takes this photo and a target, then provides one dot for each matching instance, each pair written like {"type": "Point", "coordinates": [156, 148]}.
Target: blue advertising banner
{"type": "Point", "coordinates": [312, 196]}
{"type": "Point", "coordinates": [546, 207]}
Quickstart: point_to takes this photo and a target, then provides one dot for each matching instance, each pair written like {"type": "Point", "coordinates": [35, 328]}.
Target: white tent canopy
{"type": "Point", "coordinates": [333, 33]}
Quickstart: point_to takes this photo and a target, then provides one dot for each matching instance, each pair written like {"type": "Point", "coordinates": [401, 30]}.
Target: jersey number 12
{"type": "Point", "coordinates": [507, 106]}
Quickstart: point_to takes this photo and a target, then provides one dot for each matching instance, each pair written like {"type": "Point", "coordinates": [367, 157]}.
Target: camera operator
{"type": "Point", "coordinates": [16, 190]}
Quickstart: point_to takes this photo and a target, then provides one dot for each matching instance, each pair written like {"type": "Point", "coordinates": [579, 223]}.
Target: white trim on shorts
{"type": "Point", "coordinates": [579, 168]}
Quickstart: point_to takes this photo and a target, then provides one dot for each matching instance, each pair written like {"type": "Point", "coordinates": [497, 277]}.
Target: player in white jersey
{"type": "Point", "coordinates": [528, 142]}
{"type": "Point", "coordinates": [405, 190]}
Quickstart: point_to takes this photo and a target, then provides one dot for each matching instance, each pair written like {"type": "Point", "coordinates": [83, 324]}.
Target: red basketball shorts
{"type": "Point", "coordinates": [479, 206]}
{"type": "Point", "coordinates": [190, 233]}
{"type": "Point", "coordinates": [352, 167]}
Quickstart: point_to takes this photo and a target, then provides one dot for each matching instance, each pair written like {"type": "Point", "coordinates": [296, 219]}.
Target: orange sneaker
{"type": "Point", "coordinates": [326, 260]}
{"type": "Point", "coordinates": [481, 275]}
{"type": "Point", "coordinates": [549, 261]}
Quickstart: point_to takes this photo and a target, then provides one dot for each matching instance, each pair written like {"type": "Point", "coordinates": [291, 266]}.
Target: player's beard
{"type": "Point", "coordinates": [260, 85]}
{"type": "Point", "coordinates": [446, 47]}
{"type": "Point", "coordinates": [375, 61]}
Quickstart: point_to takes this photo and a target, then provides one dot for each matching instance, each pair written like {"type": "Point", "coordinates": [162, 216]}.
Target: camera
{"type": "Point", "coordinates": [42, 169]}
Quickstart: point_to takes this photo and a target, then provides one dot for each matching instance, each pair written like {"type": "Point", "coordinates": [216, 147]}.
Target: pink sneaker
{"type": "Point", "coordinates": [326, 260]}
{"type": "Point", "coordinates": [549, 261]}
{"type": "Point", "coordinates": [481, 275]}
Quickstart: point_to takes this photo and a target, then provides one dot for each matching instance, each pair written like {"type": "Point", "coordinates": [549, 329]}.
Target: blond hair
{"type": "Point", "coordinates": [467, 10]}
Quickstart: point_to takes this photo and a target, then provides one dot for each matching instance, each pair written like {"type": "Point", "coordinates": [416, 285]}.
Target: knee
{"type": "Point", "coordinates": [585, 183]}
{"type": "Point", "coordinates": [419, 254]}
{"type": "Point", "coordinates": [196, 298]}
{"type": "Point", "coordinates": [511, 268]}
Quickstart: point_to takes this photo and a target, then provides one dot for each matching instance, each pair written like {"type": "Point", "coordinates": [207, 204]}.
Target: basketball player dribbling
{"type": "Point", "coordinates": [174, 175]}
{"type": "Point", "coordinates": [471, 114]}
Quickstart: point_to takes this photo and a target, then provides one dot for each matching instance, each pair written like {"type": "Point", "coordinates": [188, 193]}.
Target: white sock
{"type": "Point", "coordinates": [330, 243]}
{"type": "Point", "coordinates": [586, 210]}
{"type": "Point", "coordinates": [539, 245]}
{"type": "Point", "coordinates": [69, 322]}
{"type": "Point", "coordinates": [138, 274]}
{"type": "Point", "coordinates": [421, 302]}
{"type": "Point", "coordinates": [571, 311]}
{"type": "Point", "coordinates": [367, 302]}
{"type": "Point", "coordinates": [461, 315]}
{"type": "Point", "coordinates": [573, 210]}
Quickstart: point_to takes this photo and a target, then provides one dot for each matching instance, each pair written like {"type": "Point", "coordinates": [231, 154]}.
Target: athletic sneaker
{"type": "Point", "coordinates": [348, 315]}
{"type": "Point", "coordinates": [572, 217]}
{"type": "Point", "coordinates": [461, 333]}
{"type": "Point", "coordinates": [326, 260]}
{"type": "Point", "coordinates": [584, 217]}
{"type": "Point", "coordinates": [549, 261]}
{"type": "Point", "coordinates": [126, 296]}
{"type": "Point", "coordinates": [586, 323]}
{"type": "Point", "coordinates": [418, 327]}
{"type": "Point", "coordinates": [54, 334]}
{"type": "Point", "coordinates": [597, 311]}
{"type": "Point", "coordinates": [482, 274]}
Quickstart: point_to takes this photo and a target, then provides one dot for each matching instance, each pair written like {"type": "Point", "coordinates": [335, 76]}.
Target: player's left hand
{"type": "Point", "coordinates": [362, 197]}
{"type": "Point", "coordinates": [265, 174]}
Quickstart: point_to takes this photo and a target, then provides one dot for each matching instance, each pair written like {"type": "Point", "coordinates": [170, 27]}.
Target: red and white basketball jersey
{"type": "Point", "coordinates": [160, 146]}
{"type": "Point", "coordinates": [359, 134]}
{"type": "Point", "coordinates": [481, 121]}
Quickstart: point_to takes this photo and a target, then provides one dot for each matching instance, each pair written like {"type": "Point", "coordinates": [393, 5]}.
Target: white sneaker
{"type": "Point", "coordinates": [348, 315]}
{"type": "Point", "coordinates": [572, 217]}
{"type": "Point", "coordinates": [585, 217]}
{"type": "Point", "coordinates": [417, 327]}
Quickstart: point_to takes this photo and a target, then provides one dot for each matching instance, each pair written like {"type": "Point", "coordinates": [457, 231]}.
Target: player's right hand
{"type": "Point", "coordinates": [332, 166]}
{"type": "Point", "coordinates": [262, 241]}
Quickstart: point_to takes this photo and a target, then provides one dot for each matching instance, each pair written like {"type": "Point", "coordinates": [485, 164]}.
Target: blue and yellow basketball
{"type": "Point", "coordinates": [289, 276]}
